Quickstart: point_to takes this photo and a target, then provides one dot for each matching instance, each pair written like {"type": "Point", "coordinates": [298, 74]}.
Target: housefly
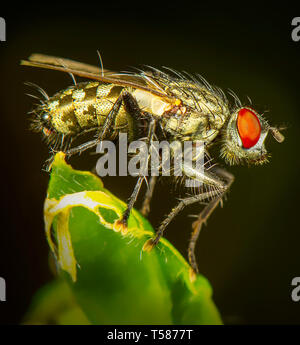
{"type": "Point", "coordinates": [154, 104]}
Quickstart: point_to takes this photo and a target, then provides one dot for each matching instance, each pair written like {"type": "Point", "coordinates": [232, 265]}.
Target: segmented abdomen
{"type": "Point", "coordinates": [83, 106]}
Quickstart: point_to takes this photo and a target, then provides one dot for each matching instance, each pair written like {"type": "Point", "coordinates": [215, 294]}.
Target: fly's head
{"type": "Point", "coordinates": [244, 137]}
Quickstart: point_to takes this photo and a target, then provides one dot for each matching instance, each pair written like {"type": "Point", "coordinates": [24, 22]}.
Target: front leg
{"type": "Point", "coordinates": [220, 181]}
{"type": "Point", "coordinates": [175, 211]}
{"type": "Point", "coordinates": [204, 215]}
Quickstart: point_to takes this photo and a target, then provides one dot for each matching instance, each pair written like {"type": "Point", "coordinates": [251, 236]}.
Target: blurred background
{"type": "Point", "coordinates": [249, 249]}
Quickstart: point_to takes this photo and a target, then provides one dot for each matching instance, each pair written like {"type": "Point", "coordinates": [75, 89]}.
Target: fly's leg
{"type": "Point", "coordinates": [121, 224]}
{"type": "Point", "coordinates": [219, 188]}
{"type": "Point", "coordinates": [145, 209]}
{"type": "Point", "coordinates": [204, 176]}
{"type": "Point", "coordinates": [175, 211]}
{"type": "Point", "coordinates": [82, 147]}
{"type": "Point", "coordinates": [204, 215]}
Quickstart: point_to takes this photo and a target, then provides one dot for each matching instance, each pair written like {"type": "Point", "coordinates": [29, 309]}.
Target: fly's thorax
{"type": "Point", "coordinates": [153, 104]}
{"type": "Point", "coordinates": [201, 121]}
{"type": "Point", "coordinates": [194, 125]}
{"type": "Point", "coordinates": [244, 136]}
{"type": "Point", "coordinates": [205, 111]}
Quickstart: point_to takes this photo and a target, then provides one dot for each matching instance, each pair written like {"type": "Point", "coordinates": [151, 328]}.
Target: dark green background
{"type": "Point", "coordinates": [249, 250]}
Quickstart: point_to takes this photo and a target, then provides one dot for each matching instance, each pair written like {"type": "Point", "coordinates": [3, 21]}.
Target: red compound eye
{"type": "Point", "coordinates": [249, 127]}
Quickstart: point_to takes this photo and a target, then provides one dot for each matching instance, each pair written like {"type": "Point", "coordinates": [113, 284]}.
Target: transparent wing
{"type": "Point", "coordinates": [138, 81]}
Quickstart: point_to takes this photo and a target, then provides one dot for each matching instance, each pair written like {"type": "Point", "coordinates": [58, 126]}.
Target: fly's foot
{"type": "Point", "coordinates": [120, 225]}
{"type": "Point", "coordinates": [192, 274]}
{"type": "Point", "coordinates": [150, 244]}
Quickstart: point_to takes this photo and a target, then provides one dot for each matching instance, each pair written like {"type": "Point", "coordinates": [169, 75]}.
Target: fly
{"type": "Point", "coordinates": [154, 104]}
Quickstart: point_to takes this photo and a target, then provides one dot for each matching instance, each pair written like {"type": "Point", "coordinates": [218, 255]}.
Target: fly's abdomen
{"type": "Point", "coordinates": [83, 106]}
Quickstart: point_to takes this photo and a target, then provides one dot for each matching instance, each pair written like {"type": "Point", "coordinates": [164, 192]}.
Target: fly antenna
{"type": "Point", "coordinates": [276, 134]}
